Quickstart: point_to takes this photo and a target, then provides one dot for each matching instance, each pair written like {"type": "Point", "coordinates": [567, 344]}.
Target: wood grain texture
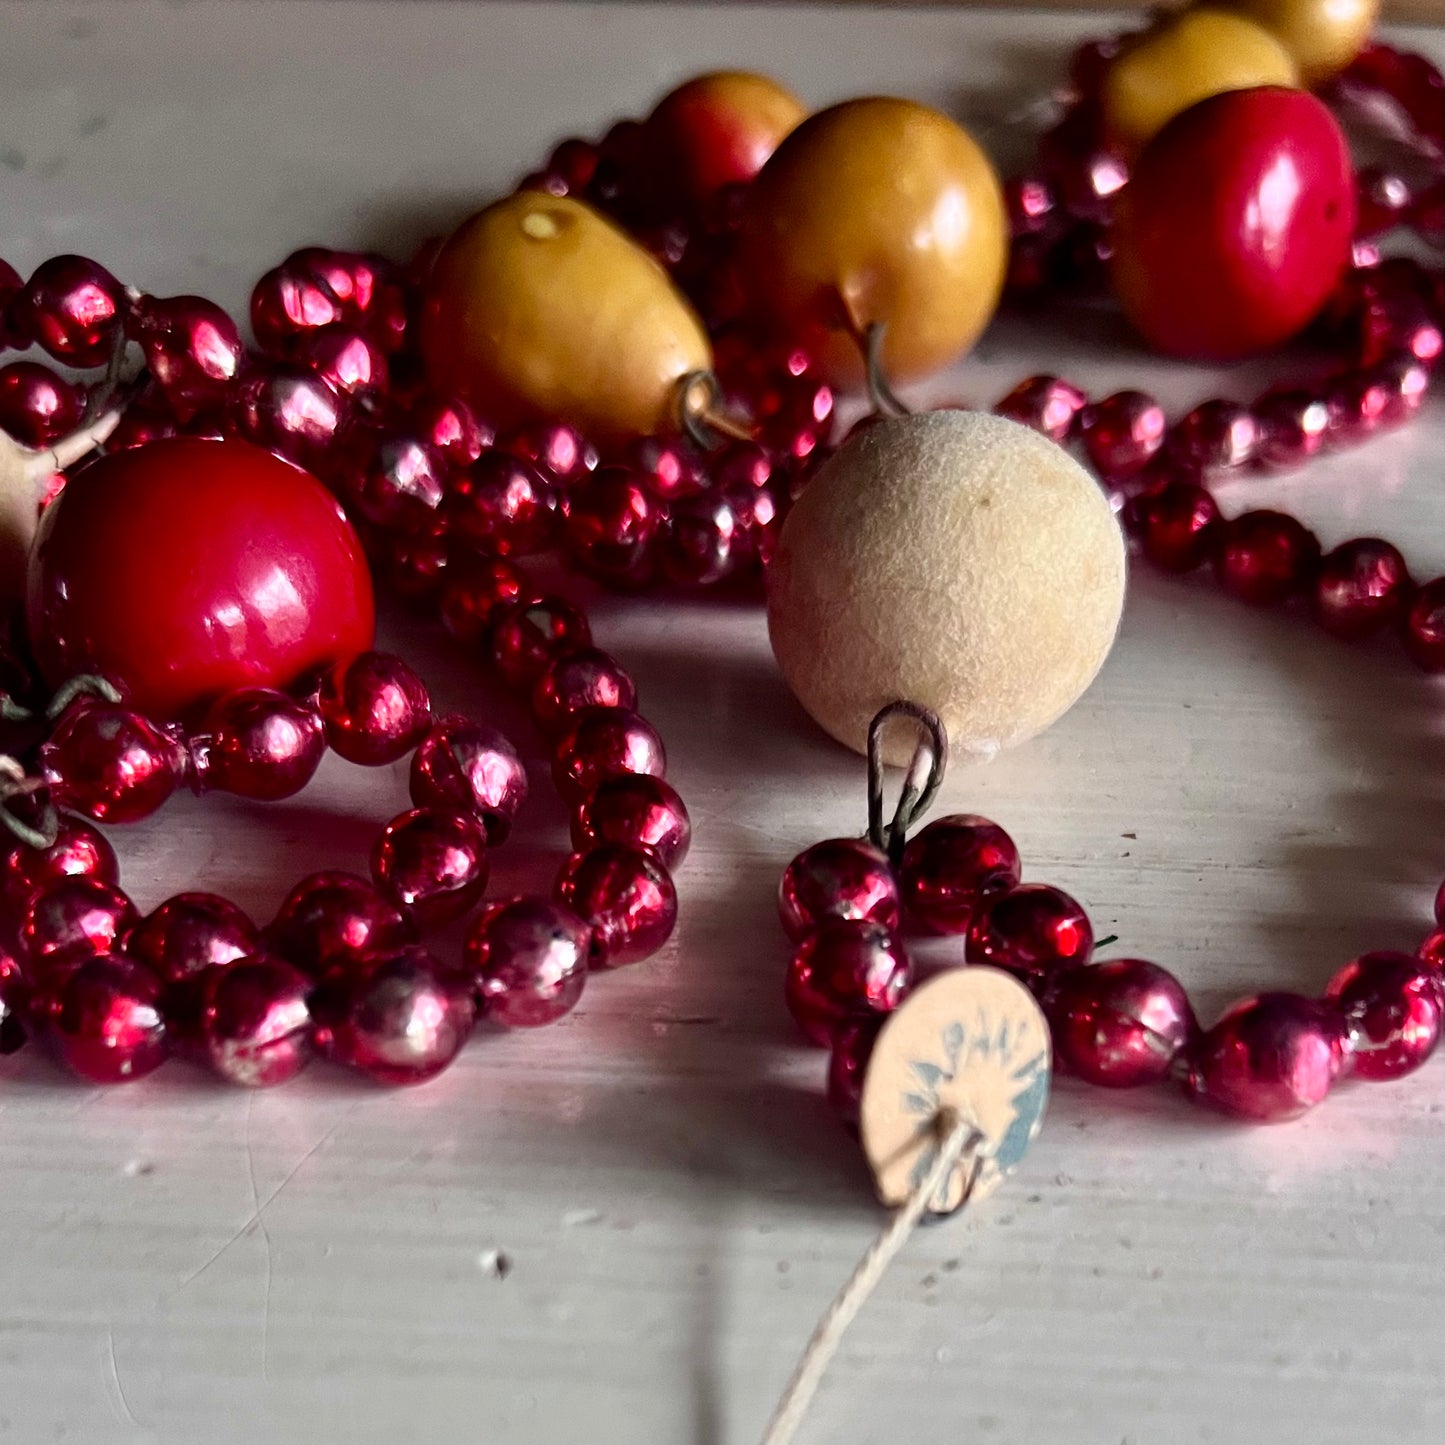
{"type": "Point", "coordinates": [620, 1231]}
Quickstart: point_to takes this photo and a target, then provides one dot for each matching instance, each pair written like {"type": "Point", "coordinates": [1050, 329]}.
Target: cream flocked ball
{"type": "Point", "coordinates": [953, 559]}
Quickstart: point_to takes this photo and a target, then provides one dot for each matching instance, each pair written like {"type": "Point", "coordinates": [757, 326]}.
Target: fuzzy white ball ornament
{"type": "Point", "coordinates": [952, 559]}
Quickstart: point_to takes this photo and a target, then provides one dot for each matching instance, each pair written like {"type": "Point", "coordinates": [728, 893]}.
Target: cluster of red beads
{"type": "Point", "coordinates": [1120, 1023]}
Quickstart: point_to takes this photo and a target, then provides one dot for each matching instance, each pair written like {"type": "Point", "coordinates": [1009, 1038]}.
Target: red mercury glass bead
{"type": "Point", "coordinates": [560, 452]}
{"type": "Point", "coordinates": [845, 968]}
{"type": "Point", "coordinates": [1387, 324]}
{"type": "Point", "coordinates": [1270, 1058]}
{"type": "Point", "coordinates": [583, 678]}
{"type": "Point", "coordinates": [950, 865]}
{"type": "Point", "coordinates": [1440, 905]}
{"type": "Point", "coordinates": [292, 412]}
{"type": "Point", "coordinates": [414, 567]}
{"type": "Point", "coordinates": [1264, 557]}
{"type": "Point", "coordinates": [110, 763]}
{"type": "Point", "coordinates": [396, 482]}
{"type": "Point", "coordinates": [626, 896]}
{"type": "Point", "coordinates": [1085, 173]}
{"type": "Point", "coordinates": [256, 1022]}
{"type": "Point", "coordinates": [1030, 202]}
{"type": "Point", "coordinates": [257, 743]}
{"type": "Point", "coordinates": [73, 919]}
{"type": "Point", "coordinates": [1079, 262]}
{"type": "Point", "coordinates": [1432, 950]}
{"type": "Point", "coordinates": [79, 851]}
{"type": "Point", "coordinates": [758, 512]}
{"type": "Point", "coordinates": [1423, 626]}
{"type": "Point", "coordinates": [346, 357]}
{"type": "Point", "coordinates": [501, 506]}
{"type": "Point", "coordinates": [1033, 931]}
{"type": "Point", "coordinates": [1293, 426]}
{"type": "Point", "coordinates": [14, 1006]}
{"type": "Point", "coordinates": [472, 769]}
{"type": "Point", "coordinates": [374, 708]}
{"type": "Point", "coordinates": [853, 1042]}
{"type": "Point", "coordinates": [401, 1019]}
{"type": "Point", "coordinates": [73, 308]}
{"type": "Point", "coordinates": [1394, 1007]}
{"type": "Point", "coordinates": [1361, 588]}
{"type": "Point", "coordinates": [1175, 525]}
{"type": "Point", "coordinates": [1121, 1023]}
{"type": "Point", "coordinates": [668, 469]}
{"type": "Point", "coordinates": [611, 527]}
{"type": "Point", "coordinates": [145, 420]}
{"type": "Point", "coordinates": [288, 302]}
{"type": "Point", "coordinates": [1405, 381]}
{"type": "Point", "coordinates": [10, 287]}
{"type": "Point", "coordinates": [1030, 269]}
{"type": "Point", "coordinates": [103, 1020]}
{"type": "Point", "coordinates": [475, 590]}
{"type": "Point", "coordinates": [526, 636]}
{"type": "Point", "coordinates": [432, 863]}
{"type": "Point", "coordinates": [1046, 404]}
{"type": "Point", "coordinates": [1121, 433]}
{"type": "Point", "coordinates": [1360, 405]}
{"type": "Point", "coordinates": [1217, 436]}
{"type": "Point", "coordinates": [803, 421]}
{"type": "Point", "coordinates": [635, 810]}
{"type": "Point", "coordinates": [1427, 215]}
{"type": "Point", "coordinates": [332, 921]}
{"type": "Point", "coordinates": [529, 958]}
{"type": "Point", "coordinates": [839, 878]}
{"type": "Point", "coordinates": [450, 427]}
{"type": "Point", "coordinates": [192, 348]}
{"type": "Point", "coordinates": [189, 934]}
{"type": "Point", "coordinates": [704, 539]}
{"type": "Point", "coordinates": [37, 407]}
{"type": "Point", "coordinates": [742, 463]}
{"type": "Point", "coordinates": [602, 743]}
{"type": "Point", "coordinates": [575, 161]}
{"type": "Point", "coordinates": [1383, 198]}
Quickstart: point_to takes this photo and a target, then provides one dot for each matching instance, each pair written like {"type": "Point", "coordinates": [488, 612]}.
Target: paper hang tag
{"type": "Point", "coordinates": [972, 1040]}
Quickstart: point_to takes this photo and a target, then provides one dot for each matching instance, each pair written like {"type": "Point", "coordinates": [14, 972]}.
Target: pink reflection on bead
{"type": "Point", "coordinates": [79, 851]}
{"type": "Point", "coordinates": [635, 811]}
{"type": "Point", "coordinates": [72, 919]}
{"type": "Point", "coordinates": [110, 763]}
{"type": "Point", "coordinates": [257, 743]}
{"type": "Point", "coordinates": [853, 1042]}
{"type": "Point", "coordinates": [402, 1019]}
{"type": "Point", "coordinates": [37, 407]}
{"type": "Point", "coordinates": [611, 525]}
{"type": "Point", "coordinates": [1033, 931]}
{"type": "Point", "coordinates": [1121, 1023]}
{"type": "Point", "coordinates": [1404, 380]}
{"type": "Point", "coordinates": [1382, 200]}
{"type": "Point", "coordinates": [1432, 950]}
{"type": "Point", "coordinates": [845, 968]}
{"type": "Point", "coordinates": [1175, 525]}
{"type": "Point", "coordinates": [72, 307]}
{"type": "Point", "coordinates": [950, 865]}
{"type": "Point", "coordinates": [626, 896]}
{"type": "Point", "coordinates": [602, 743]}
{"type": "Point", "coordinates": [397, 482]}
{"type": "Point", "coordinates": [375, 709]}
{"type": "Point", "coordinates": [1029, 201]}
{"type": "Point", "coordinates": [103, 1020]}
{"type": "Point", "coordinates": [470, 768]}
{"type": "Point", "coordinates": [502, 507]}
{"type": "Point", "coordinates": [1046, 404]}
{"type": "Point", "coordinates": [527, 636]}
{"type": "Point", "coordinates": [1423, 628]}
{"type": "Point", "coordinates": [347, 358]}
{"type": "Point", "coordinates": [256, 1023]}
{"type": "Point", "coordinates": [1361, 588]}
{"type": "Point", "coordinates": [1269, 1058]}
{"type": "Point", "coordinates": [291, 411]}
{"type": "Point", "coordinates": [450, 427]}
{"type": "Point", "coordinates": [1393, 1006]}
{"type": "Point", "coordinates": [560, 452]}
{"type": "Point", "coordinates": [1264, 557]}
{"type": "Point", "coordinates": [190, 933]}
{"type": "Point", "coordinates": [703, 541]}
{"type": "Point", "coordinates": [192, 348]}
{"type": "Point", "coordinates": [1293, 426]}
{"type": "Point", "coordinates": [583, 678]}
{"type": "Point", "coordinates": [1121, 433]}
{"type": "Point", "coordinates": [432, 863]}
{"type": "Point", "coordinates": [839, 878]}
{"type": "Point", "coordinates": [667, 469]}
{"type": "Point", "coordinates": [744, 463]}
{"type": "Point", "coordinates": [287, 302]}
{"type": "Point", "coordinates": [1217, 436]}
{"type": "Point", "coordinates": [475, 591]}
{"type": "Point", "coordinates": [332, 920]}
{"type": "Point", "coordinates": [1360, 405]}
{"type": "Point", "coordinates": [530, 959]}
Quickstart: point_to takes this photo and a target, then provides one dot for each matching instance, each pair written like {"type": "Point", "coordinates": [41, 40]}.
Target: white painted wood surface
{"type": "Point", "coordinates": [1236, 797]}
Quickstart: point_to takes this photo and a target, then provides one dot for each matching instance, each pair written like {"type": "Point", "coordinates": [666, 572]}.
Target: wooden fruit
{"type": "Point", "coordinates": [1323, 36]}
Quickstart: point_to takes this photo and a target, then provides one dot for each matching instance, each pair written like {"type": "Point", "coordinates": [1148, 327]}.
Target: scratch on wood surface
{"type": "Point", "coordinates": [117, 1390]}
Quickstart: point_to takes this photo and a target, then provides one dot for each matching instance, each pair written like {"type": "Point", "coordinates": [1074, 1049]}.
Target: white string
{"type": "Point", "coordinates": [960, 1140]}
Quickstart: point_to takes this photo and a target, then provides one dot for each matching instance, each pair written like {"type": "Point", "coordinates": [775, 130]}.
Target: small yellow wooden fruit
{"type": "Point", "coordinates": [1323, 36]}
{"type": "Point", "coordinates": [1187, 58]}
{"type": "Point", "coordinates": [953, 559]}
{"type": "Point", "coordinates": [538, 308]}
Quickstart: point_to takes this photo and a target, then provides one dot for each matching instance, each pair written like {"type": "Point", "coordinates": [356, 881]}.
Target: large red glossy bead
{"type": "Point", "coordinates": [530, 959]}
{"type": "Point", "coordinates": [611, 527]}
{"type": "Point", "coordinates": [37, 407]}
{"type": "Point", "coordinates": [502, 506]}
{"type": "Point", "coordinates": [1293, 426]}
{"type": "Point", "coordinates": [1033, 931]}
{"type": "Point", "coordinates": [79, 851]}
{"type": "Point", "coordinates": [192, 348]}
{"type": "Point", "coordinates": [853, 1042]}
{"type": "Point", "coordinates": [473, 769]}
{"type": "Point", "coordinates": [256, 1022]}
{"type": "Point", "coordinates": [626, 896]}
{"type": "Point", "coordinates": [375, 709]}
{"type": "Point", "coordinates": [1361, 588]}
{"type": "Point", "coordinates": [402, 1019]}
{"type": "Point", "coordinates": [257, 743]}
{"type": "Point", "coordinates": [559, 451]}
{"type": "Point", "coordinates": [584, 678]}
{"type": "Point", "coordinates": [950, 865]}
{"type": "Point", "coordinates": [602, 743]}
{"type": "Point", "coordinates": [292, 412]}
{"type": "Point", "coordinates": [189, 934]}
{"type": "Point", "coordinates": [103, 1020]}
{"type": "Point", "coordinates": [1264, 557]}
{"type": "Point", "coordinates": [73, 919]}
{"type": "Point", "coordinates": [72, 307]}
{"type": "Point", "coordinates": [111, 763]}
{"type": "Point", "coordinates": [635, 811]}
{"type": "Point", "coordinates": [1175, 525]}
{"type": "Point", "coordinates": [1217, 436]}
{"type": "Point", "coordinates": [1236, 224]}
{"type": "Point", "coordinates": [845, 968]}
{"type": "Point", "coordinates": [332, 920]}
{"type": "Point", "coordinates": [839, 878]}
{"type": "Point", "coordinates": [1394, 1008]}
{"type": "Point", "coordinates": [1045, 403]}
{"type": "Point", "coordinates": [1120, 1023]}
{"type": "Point", "coordinates": [475, 592]}
{"type": "Point", "coordinates": [1423, 626]}
{"type": "Point", "coordinates": [432, 863]}
{"type": "Point", "coordinates": [526, 636]}
{"type": "Point", "coordinates": [1269, 1058]}
{"type": "Point", "coordinates": [1121, 433]}
{"type": "Point", "coordinates": [189, 568]}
